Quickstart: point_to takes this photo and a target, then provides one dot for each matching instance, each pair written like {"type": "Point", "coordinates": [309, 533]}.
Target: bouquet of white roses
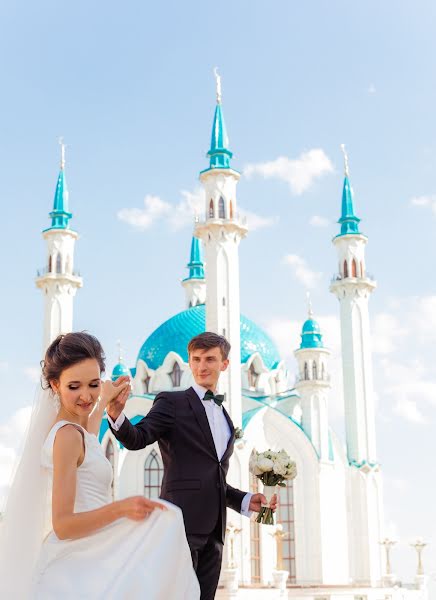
{"type": "Point", "coordinates": [272, 468]}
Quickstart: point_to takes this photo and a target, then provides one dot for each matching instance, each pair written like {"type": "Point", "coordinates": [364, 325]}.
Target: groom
{"type": "Point", "coordinates": [196, 438]}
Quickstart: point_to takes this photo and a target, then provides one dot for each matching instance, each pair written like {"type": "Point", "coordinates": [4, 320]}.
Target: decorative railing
{"type": "Point", "coordinates": [339, 277]}
{"type": "Point", "coordinates": [46, 271]}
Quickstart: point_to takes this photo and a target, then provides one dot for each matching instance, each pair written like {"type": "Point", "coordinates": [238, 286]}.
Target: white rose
{"type": "Point", "coordinates": [265, 464]}
{"type": "Point", "coordinates": [291, 470]}
{"type": "Point", "coordinates": [279, 468]}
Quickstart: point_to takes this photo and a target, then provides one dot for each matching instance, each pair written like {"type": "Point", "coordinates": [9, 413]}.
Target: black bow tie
{"type": "Point", "coordinates": [217, 398]}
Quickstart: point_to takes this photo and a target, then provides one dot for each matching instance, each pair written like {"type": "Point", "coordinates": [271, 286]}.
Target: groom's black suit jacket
{"type": "Point", "coordinates": [194, 477]}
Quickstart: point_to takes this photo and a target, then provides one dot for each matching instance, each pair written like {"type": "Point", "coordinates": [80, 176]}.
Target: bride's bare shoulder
{"type": "Point", "coordinates": [69, 437]}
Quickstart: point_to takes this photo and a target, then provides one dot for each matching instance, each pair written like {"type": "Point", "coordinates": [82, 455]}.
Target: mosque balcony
{"type": "Point", "coordinates": [325, 379]}
{"type": "Point", "coordinates": [339, 277]}
{"type": "Point", "coordinates": [45, 271]}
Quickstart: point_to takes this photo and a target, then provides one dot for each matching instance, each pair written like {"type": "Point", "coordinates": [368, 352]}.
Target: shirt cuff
{"type": "Point", "coordinates": [245, 505]}
{"type": "Point", "coordinates": [116, 426]}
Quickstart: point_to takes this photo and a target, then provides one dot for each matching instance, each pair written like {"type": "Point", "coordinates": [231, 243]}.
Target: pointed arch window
{"type": "Point", "coordinates": [176, 375]}
{"type": "Point", "coordinates": [345, 268]}
{"type": "Point", "coordinates": [221, 208]}
{"type": "Point", "coordinates": [353, 268]}
{"type": "Point", "coordinates": [314, 370]}
{"type": "Point", "coordinates": [322, 372]}
{"type": "Point", "coordinates": [253, 376]}
{"type": "Point", "coordinates": [306, 371]}
{"type": "Point", "coordinates": [146, 382]}
{"type": "Point", "coordinates": [211, 210]}
{"type": "Point", "coordinates": [362, 270]}
{"type": "Point", "coordinates": [58, 264]}
{"type": "Point", "coordinates": [286, 517]}
{"type": "Point", "coordinates": [50, 265]}
{"type": "Point", "coordinates": [231, 209]}
{"type": "Point", "coordinates": [153, 473]}
{"type": "Point", "coordinates": [110, 455]}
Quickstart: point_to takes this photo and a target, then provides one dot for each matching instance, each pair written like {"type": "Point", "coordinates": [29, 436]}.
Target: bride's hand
{"type": "Point", "coordinates": [118, 389]}
{"type": "Point", "coordinates": [138, 507]}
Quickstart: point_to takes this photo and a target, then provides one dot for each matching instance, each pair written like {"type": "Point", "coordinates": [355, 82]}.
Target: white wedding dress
{"type": "Point", "coordinates": [126, 560]}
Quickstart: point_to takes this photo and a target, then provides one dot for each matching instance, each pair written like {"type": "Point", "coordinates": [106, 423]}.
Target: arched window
{"type": "Point", "coordinates": [253, 376]}
{"type": "Point", "coordinates": [362, 270]}
{"type": "Point", "coordinates": [146, 382]}
{"type": "Point", "coordinates": [221, 208]}
{"type": "Point", "coordinates": [306, 371]}
{"type": "Point", "coordinates": [314, 371]}
{"type": "Point", "coordinates": [353, 268]}
{"type": "Point", "coordinates": [211, 210]}
{"type": "Point", "coordinates": [49, 264]}
{"type": "Point", "coordinates": [322, 371]}
{"type": "Point", "coordinates": [255, 554]}
{"type": "Point", "coordinates": [110, 455]}
{"type": "Point", "coordinates": [285, 516]}
{"type": "Point", "coordinates": [153, 473]}
{"type": "Point", "coordinates": [58, 264]}
{"type": "Point", "coordinates": [231, 209]}
{"type": "Point", "coordinates": [345, 269]}
{"type": "Point", "coordinates": [176, 375]}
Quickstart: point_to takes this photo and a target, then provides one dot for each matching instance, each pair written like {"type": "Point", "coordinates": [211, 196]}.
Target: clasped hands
{"type": "Point", "coordinates": [114, 395]}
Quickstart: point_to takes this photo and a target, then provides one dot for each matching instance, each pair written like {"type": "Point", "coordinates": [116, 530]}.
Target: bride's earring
{"type": "Point", "coordinates": [56, 402]}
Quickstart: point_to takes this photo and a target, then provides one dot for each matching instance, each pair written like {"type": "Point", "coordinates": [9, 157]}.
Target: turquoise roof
{"type": "Point", "coordinates": [196, 265]}
{"type": "Point", "coordinates": [219, 152]}
{"type": "Point", "coordinates": [60, 216]}
{"type": "Point", "coordinates": [311, 335]}
{"type": "Point", "coordinates": [348, 221]}
{"type": "Point", "coordinates": [119, 370]}
{"type": "Point", "coordinates": [174, 335]}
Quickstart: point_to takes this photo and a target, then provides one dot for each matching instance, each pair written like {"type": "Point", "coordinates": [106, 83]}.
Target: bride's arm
{"type": "Point", "coordinates": [68, 452]}
{"type": "Point", "coordinates": [109, 391]}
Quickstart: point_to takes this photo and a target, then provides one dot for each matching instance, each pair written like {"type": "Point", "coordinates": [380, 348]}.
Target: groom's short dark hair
{"type": "Point", "coordinates": [208, 340]}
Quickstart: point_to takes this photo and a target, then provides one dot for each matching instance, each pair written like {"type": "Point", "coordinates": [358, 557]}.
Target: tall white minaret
{"type": "Point", "coordinates": [353, 287]}
{"type": "Point", "coordinates": [221, 232]}
{"type": "Point", "coordinates": [195, 283]}
{"type": "Point", "coordinates": [58, 280]}
{"type": "Point", "coordinates": [313, 384]}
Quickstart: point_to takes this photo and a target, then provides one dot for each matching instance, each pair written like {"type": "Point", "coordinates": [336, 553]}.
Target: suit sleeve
{"type": "Point", "coordinates": [234, 498]}
{"type": "Point", "coordinates": [157, 423]}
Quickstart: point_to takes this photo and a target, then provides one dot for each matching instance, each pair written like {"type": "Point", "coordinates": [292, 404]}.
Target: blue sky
{"type": "Point", "coordinates": [131, 89]}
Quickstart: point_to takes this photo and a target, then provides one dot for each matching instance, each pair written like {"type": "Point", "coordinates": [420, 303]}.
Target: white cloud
{"type": "Point", "coordinates": [408, 409]}
{"type": "Point", "coordinates": [299, 173]}
{"type": "Point", "coordinates": [302, 272]}
{"type": "Point", "coordinates": [317, 221]}
{"type": "Point", "coordinates": [425, 201]}
{"type": "Point", "coordinates": [143, 218]}
{"type": "Point", "coordinates": [33, 373]}
{"type": "Point", "coordinates": [182, 214]}
{"type": "Point", "coordinates": [388, 330]}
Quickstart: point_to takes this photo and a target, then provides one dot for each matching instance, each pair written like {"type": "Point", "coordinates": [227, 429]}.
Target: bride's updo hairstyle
{"type": "Point", "coordinates": [67, 350]}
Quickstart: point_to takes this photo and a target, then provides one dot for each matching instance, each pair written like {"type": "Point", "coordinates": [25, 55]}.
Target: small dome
{"type": "Point", "coordinates": [119, 370]}
{"type": "Point", "coordinates": [311, 335]}
{"type": "Point", "coordinates": [175, 333]}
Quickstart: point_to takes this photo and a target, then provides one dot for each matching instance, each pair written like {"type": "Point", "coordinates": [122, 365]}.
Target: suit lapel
{"type": "Point", "coordinates": [232, 435]}
{"type": "Point", "coordinates": [200, 415]}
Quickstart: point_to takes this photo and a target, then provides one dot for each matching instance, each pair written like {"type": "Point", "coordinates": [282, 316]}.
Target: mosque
{"type": "Point", "coordinates": [329, 543]}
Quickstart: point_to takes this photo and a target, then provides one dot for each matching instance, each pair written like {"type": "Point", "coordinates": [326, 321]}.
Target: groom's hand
{"type": "Point", "coordinates": [259, 500]}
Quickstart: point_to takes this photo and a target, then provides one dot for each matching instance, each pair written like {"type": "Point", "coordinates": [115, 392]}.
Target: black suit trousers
{"type": "Point", "coordinates": [207, 553]}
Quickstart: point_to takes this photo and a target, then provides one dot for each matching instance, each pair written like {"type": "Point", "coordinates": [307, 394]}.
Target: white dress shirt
{"type": "Point", "coordinates": [219, 428]}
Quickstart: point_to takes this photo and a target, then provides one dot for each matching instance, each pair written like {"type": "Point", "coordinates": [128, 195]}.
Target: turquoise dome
{"type": "Point", "coordinates": [174, 335]}
{"type": "Point", "coordinates": [119, 370]}
{"type": "Point", "coordinates": [311, 335]}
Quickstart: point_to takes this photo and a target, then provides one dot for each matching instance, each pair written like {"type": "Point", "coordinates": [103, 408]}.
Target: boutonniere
{"type": "Point", "coordinates": [239, 433]}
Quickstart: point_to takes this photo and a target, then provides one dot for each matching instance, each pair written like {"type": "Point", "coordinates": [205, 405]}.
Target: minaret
{"type": "Point", "coordinates": [195, 283]}
{"type": "Point", "coordinates": [58, 280]}
{"type": "Point", "coordinates": [313, 383]}
{"type": "Point", "coordinates": [120, 368]}
{"type": "Point", "coordinates": [353, 287]}
{"type": "Point", "coordinates": [221, 233]}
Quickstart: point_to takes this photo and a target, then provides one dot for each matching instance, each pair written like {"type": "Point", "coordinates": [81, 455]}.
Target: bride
{"type": "Point", "coordinates": [61, 536]}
